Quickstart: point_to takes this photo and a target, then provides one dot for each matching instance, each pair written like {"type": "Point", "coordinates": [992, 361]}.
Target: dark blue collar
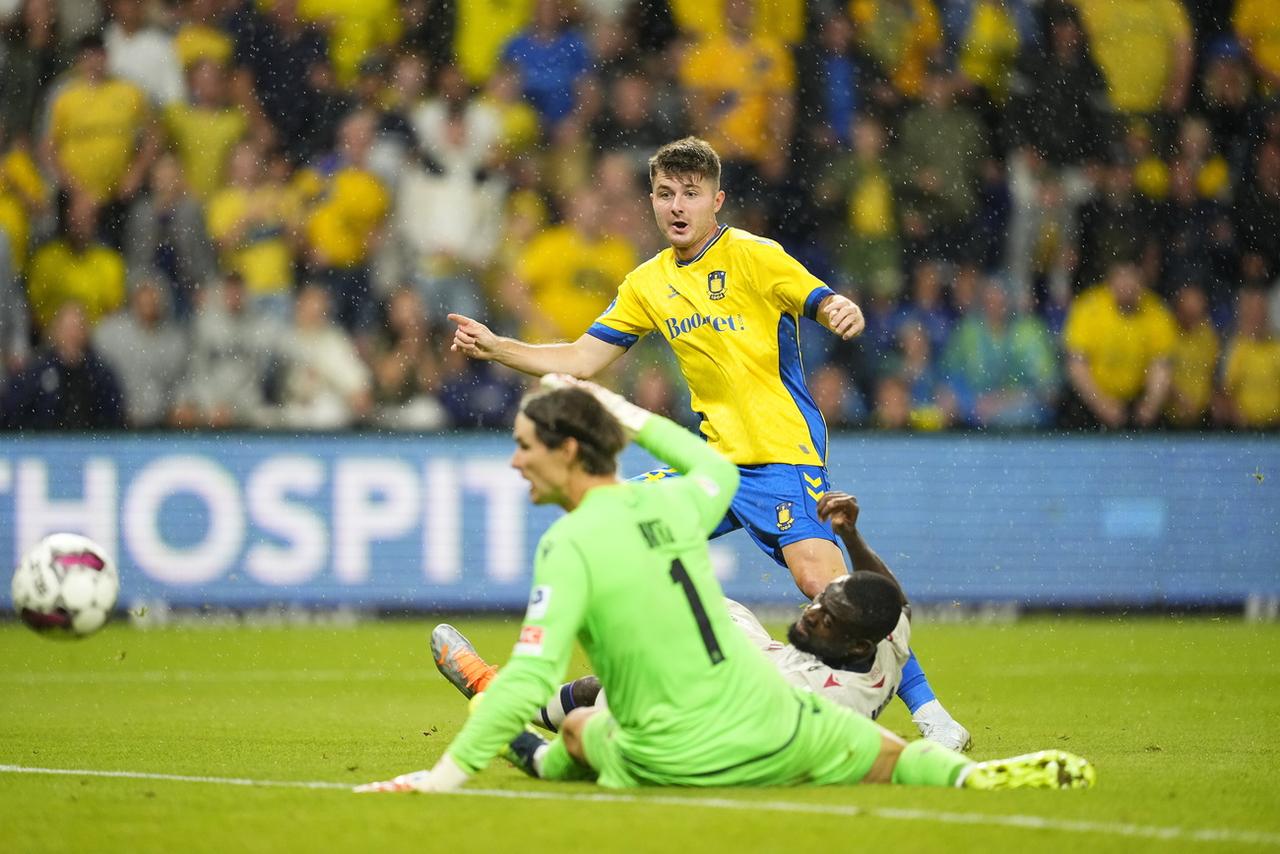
{"type": "Point", "coordinates": [712, 242]}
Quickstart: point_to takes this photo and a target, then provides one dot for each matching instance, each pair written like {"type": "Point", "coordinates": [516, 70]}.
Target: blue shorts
{"type": "Point", "coordinates": [777, 505]}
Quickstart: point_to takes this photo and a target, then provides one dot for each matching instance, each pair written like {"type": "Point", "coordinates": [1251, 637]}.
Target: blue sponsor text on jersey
{"type": "Point", "coordinates": [677, 326]}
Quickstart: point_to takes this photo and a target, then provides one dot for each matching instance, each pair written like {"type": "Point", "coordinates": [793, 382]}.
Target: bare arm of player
{"type": "Point", "coordinates": [841, 509]}
{"type": "Point", "coordinates": [842, 316]}
{"type": "Point", "coordinates": [584, 358]}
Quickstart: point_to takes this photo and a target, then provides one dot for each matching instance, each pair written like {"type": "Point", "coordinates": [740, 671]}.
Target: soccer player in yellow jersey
{"type": "Point", "coordinates": [729, 304]}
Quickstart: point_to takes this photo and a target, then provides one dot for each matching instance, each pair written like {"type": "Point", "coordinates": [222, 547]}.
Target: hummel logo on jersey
{"type": "Point", "coordinates": [677, 326]}
{"type": "Point", "coordinates": [672, 292]}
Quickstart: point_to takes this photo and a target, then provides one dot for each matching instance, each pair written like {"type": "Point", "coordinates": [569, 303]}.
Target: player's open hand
{"type": "Point", "coordinates": [472, 338]}
{"type": "Point", "coordinates": [402, 783]}
{"type": "Point", "coordinates": [631, 417]}
{"type": "Point", "coordinates": [842, 316]}
{"type": "Point", "coordinates": [446, 776]}
{"type": "Point", "coordinates": [841, 510]}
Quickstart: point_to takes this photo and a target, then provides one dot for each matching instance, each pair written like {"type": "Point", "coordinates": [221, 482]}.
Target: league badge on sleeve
{"type": "Point", "coordinates": [715, 284]}
{"type": "Point", "coordinates": [539, 601]}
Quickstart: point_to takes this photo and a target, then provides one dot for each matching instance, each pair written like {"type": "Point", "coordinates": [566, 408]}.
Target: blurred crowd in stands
{"type": "Point", "coordinates": [256, 214]}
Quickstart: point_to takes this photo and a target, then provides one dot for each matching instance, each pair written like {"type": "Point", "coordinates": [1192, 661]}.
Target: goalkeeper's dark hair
{"type": "Point", "coordinates": [868, 607]}
{"type": "Point", "coordinates": [563, 413]}
{"type": "Point", "coordinates": [691, 157]}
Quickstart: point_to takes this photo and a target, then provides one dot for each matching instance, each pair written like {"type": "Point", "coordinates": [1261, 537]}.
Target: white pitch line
{"type": "Point", "coordinates": [159, 676]}
{"type": "Point", "coordinates": [1023, 822]}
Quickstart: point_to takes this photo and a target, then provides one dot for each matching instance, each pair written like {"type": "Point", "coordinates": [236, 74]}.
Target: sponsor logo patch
{"type": "Point", "coordinates": [677, 326]}
{"type": "Point", "coordinates": [530, 641]}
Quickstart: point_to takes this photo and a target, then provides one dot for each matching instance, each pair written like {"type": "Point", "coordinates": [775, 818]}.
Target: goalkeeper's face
{"type": "Point", "coordinates": [546, 469]}
{"type": "Point", "coordinates": [685, 209]}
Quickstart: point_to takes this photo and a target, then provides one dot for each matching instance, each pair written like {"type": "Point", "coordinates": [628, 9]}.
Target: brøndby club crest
{"type": "Point", "coordinates": [715, 284]}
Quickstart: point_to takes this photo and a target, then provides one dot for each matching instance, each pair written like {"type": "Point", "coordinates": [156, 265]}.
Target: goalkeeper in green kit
{"type": "Point", "coordinates": [691, 701]}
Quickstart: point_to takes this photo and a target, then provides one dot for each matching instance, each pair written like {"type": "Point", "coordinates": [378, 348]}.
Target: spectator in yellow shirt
{"type": "Point", "coordinates": [568, 274]}
{"type": "Point", "coordinates": [901, 36]}
{"type": "Point", "coordinates": [356, 29]}
{"type": "Point", "coordinates": [23, 197]}
{"type": "Point", "coordinates": [1251, 379]}
{"type": "Point", "coordinates": [251, 223]}
{"type": "Point", "coordinates": [76, 268]}
{"type": "Point", "coordinates": [779, 19]}
{"type": "Point", "coordinates": [1194, 362]}
{"type": "Point", "coordinates": [742, 88]}
{"type": "Point", "coordinates": [482, 30]}
{"type": "Point", "coordinates": [204, 131]}
{"type": "Point", "coordinates": [989, 43]}
{"type": "Point", "coordinates": [1145, 49]}
{"type": "Point", "coordinates": [1257, 25]}
{"type": "Point", "coordinates": [348, 207]}
{"type": "Point", "coordinates": [100, 141]}
{"type": "Point", "coordinates": [1119, 337]}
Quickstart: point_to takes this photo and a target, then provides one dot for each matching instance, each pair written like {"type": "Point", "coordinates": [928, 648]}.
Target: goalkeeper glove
{"type": "Point", "coordinates": [631, 417]}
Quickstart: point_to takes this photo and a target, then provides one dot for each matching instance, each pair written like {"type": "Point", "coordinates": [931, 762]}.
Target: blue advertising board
{"type": "Point", "coordinates": [444, 522]}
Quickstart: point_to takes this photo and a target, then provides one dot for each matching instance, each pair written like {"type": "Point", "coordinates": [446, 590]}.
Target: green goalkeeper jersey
{"type": "Point", "coordinates": [627, 574]}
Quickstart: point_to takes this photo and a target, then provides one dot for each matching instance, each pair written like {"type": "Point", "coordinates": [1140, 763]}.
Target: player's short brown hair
{"type": "Point", "coordinates": [564, 413]}
{"type": "Point", "coordinates": [691, 157]}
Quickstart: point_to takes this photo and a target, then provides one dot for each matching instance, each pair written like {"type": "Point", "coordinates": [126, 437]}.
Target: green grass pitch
{"type": "Point", "coordinates": [1180, 716]}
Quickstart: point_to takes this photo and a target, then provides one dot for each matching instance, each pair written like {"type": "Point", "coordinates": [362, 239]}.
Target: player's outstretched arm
{"type": "Point", "coordinates": [841, 509]}
{"type": "Point", "coordinates": [584, 358]}
{"type": "Point", "coordinates": [715, 476]}
{"type": "Point", "coordinates": [842, 316]}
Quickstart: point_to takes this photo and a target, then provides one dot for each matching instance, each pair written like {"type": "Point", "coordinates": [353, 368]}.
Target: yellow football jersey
{"type": "Point", "coordinates": [732, 316]}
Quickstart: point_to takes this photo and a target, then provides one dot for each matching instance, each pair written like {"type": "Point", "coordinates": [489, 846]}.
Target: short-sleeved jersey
{"type": "Point", "coordinates": [93, 276]}
{"type": "Point", "coordinates": [731, 315]}
{"type": "Point", "coordinates": [901, 37]}
{"type": "Point", "coordinates": [344, 219]}
{"type": "Point", "coordinates": [203, 139]}
{"type": "Point", "coordinates": [1195, 363]}
{"type": "Point", "coordinates": [21, 188]}
{"type": "Point", "coordinates": [1133, 43]}
{"type": "Point", "coordinates": [628, 575]}
{"type": "Point", "coordinates": [357, 28]}
{"type": "Point", "coordinates": [95, 129]}
{"type": "Point", "coordinates": [865, 693]}
{"type": "Point", "coordinates": [569, 277]}
{"type": "Point", "coordinates": [989, 47]}
{"type": "Point", "coordinates": [263, 256]}
{"type": "Point", "coordinates": [779, 19]}
{"type": "Point", "coordinates": [483, 28]}
{"type": "Point", "coordinates": [1119, 347]}
{"type": "Point", "coordinates": [743, 79]}
{"type": "Point", "coordinates": [1252, 380]}
{"type": "Point", "coordinates": [1258, 26]}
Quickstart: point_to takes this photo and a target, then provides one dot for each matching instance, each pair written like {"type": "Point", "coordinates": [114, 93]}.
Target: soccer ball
{"type": "Point", "coordinates": [66, 585]}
